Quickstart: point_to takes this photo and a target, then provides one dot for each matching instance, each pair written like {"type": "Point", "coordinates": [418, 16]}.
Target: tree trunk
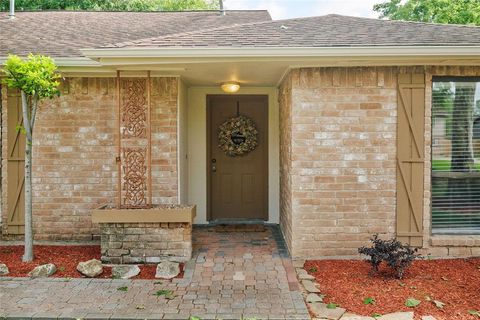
{"type": "Point", "coordinates": [462, 123]}
{"type": "Point", "coordinates": [28, 253]}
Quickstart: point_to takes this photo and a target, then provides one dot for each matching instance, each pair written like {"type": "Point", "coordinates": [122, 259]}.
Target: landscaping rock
{"type": "Point", "coordinates": [322, 312]}
{"type": "Point", "coordinates": [351, 316]}
{"type": "Point", "coordinates": [428, 318]}
{"type": "Point", "coordinates": [3, 269]}
{"type": "Point", "coordinates": [42, 271]}
{"type": "Point", "coordinates": [90, 268]}
{"type": "Point", "coordinates": [167, 270]}
{"type": "Point", "coordinates": [125, 272]}
{"type": "Point", "coordinates": [310, 286]}
{"type": "Point", "coordinates": [397, 316]}
{"type": "Point", "coordinates": [313, 297]}
{"type": "Point", "coordinates": [302, 274]}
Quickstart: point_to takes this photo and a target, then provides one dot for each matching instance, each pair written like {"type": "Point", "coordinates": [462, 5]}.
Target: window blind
{"type": "Point", "coordinates": [455, 156]}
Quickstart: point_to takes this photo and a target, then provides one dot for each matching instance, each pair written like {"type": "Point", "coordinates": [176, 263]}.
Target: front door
{"type": "Point", "coordinates": [238, 187]}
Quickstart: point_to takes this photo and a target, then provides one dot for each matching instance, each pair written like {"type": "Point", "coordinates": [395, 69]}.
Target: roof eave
{"type": "Point", "coordinates": [69, 62]}
{"type": "Point", "coordinates": [347, 51]}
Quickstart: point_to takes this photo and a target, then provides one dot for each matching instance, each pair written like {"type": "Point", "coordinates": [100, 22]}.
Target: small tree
{"type": "Point", "coordinates": [37, 79]}
{"type": "Point", "coordinates": [113, 5]}
{"type": "Point", "coordinates": [438, 11]}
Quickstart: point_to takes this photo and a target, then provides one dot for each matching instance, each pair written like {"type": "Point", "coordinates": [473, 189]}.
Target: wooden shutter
{"type": "Point", "coordinates": [410, 158]}
{"type": "Point", "coordinates": [15, 166]}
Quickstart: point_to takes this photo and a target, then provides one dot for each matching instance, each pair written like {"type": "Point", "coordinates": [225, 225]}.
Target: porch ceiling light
{"type": "Point", "coordinates": [230, 87]}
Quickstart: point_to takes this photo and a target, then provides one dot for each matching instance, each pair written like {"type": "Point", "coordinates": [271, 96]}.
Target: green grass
{"type": "Point", "coordinates": [441, 165]}
{"type": "Point", "coordinates": [444, 165]}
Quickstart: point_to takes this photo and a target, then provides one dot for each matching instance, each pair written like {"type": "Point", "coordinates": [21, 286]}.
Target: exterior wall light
{"type": "Point", "coordinates": [230, 87]}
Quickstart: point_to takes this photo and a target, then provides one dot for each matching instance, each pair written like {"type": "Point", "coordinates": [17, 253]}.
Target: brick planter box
{"type": "Point", "coordinates": [145, 235]}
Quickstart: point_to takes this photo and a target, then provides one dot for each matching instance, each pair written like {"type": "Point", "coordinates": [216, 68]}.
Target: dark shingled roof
{"type": "Point", "coordinates": [63, 33]}
{"type": "Point", "coordinates": [324, 31]}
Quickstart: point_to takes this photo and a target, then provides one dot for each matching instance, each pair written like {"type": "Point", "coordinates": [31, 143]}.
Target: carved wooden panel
{"type": "Point", "coordinates": [134, 177]}
{"type": "Point", "coordinates": [134, 109]}
{"type": "Point", "coordinates": [134, 143]}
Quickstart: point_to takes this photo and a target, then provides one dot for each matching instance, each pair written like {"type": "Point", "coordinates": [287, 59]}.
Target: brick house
{"type": "Point", "coordinates": [342, 106]}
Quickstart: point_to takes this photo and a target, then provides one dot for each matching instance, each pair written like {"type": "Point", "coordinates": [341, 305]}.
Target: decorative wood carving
{"type": "Point", "coordinates": [134, 113]}
{"type": "Point", "coordinates": [134, 177]}
{"type": "Point", "coordinates": [134, 144]}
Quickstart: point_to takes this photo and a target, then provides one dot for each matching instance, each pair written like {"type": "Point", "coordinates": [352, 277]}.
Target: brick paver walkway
{"type": "Point", "coordinates": [232, 275]}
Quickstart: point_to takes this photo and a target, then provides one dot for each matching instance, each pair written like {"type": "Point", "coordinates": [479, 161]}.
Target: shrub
{"type": "Point", "coordinates": [396, 255]}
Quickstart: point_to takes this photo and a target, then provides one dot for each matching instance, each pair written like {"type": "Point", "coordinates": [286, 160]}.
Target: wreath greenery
{"type": "Point", "coordinates": [237, 136]}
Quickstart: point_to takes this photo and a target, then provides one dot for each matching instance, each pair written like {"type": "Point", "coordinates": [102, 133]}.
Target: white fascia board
{"type": "Point", "coordinates": [69, 62]}
{"type": "Point", "coordinates": [76, 62]}
{"type": "Point", "coordinates": [282, 52]}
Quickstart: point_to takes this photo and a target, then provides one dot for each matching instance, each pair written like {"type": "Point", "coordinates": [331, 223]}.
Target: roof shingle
{"type": "Point", "coordinates": [63, 33]}
{"type": "Point", "coordinates": [324, 31]}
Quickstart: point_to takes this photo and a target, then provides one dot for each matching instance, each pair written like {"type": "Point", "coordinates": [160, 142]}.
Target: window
{"type": "Point", "coordinates": [456, 156]}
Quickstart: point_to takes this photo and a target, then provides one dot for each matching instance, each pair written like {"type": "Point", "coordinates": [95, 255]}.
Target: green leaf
{"type": "Point", "coordinates": [115, 5]}
{"type": "Point", "coordinates": [438, 11]}
{"type": "Point", "coordinates": [36, 75]}
{"type": "Point", "coordinates": [376, 315]}
{"type": "Point", "coordinates": [168, 294]}
{"type": "Point", "coordinates": [194, 318]}
{"type": "Point", "coordinates": [21, 129]}
{"type": "Point", "coordinates": [412, 302]}
{"type": "Point", "coordinates": [369, 300]}
{"type": "Point", "coordinates": [313, 269]}
{"type": "Point", "coordinates": [439, 304]}
{"type": "Point", "coordinates": [332, 306]}
{"type": "Point", "coordinates": [474, 313]}
{"type": "Point", "coordinates": [124, 289]}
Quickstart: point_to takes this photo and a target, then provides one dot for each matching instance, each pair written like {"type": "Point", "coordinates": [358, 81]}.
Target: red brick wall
{"type": "Point", "coordinates": [75, 145]}
{"type": "Point", "coordinates": [164, 140]}
{"type": "Point", "coordinates": [285, 105]}
{"type": "Point", "coordinates": [342, 158]}
{"type": "Point", "coordinates": [3, 208]}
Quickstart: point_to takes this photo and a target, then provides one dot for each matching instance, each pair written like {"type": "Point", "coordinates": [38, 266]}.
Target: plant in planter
{"type": "Point", "coordinates": [396, 255]}
{"type": "Point", "coordinates": [130, 229]}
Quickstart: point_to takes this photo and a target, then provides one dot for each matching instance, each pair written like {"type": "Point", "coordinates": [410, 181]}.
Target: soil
{"type": "Point", "coordinates": [65, 258]}
{"type": "Point", "coordinates": [455, 282]}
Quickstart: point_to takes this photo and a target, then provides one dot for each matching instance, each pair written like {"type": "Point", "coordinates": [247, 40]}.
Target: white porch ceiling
{"type": "Point", "coordinates": [249, 71]}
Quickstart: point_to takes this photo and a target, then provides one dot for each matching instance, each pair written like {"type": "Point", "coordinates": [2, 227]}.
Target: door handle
{"type": "Point", "coordinates": [214, 165]}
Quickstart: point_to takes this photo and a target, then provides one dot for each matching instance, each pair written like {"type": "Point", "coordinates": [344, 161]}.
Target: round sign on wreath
{"type": "Point", "coordinates": [237, 136]}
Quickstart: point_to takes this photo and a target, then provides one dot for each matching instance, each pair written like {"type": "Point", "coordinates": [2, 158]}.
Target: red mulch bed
{"type": "Point", "coordinates": [456, 282]}
{"type": "Point", "coordinates": [65, 258]}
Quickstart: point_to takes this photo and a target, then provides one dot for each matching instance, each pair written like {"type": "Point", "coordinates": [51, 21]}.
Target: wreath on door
{"type": "Point", "coordinates": [237, 136]}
